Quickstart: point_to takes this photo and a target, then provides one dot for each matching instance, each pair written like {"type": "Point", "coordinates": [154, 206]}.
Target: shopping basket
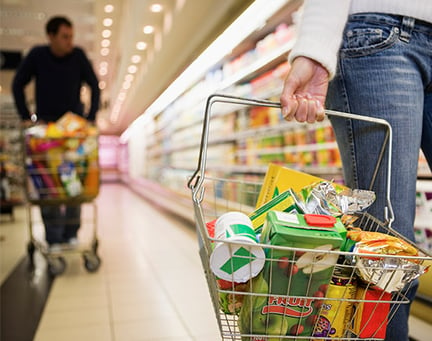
{"type": "Point", "coordinates": [63, 172]}
{"type": "Point", "coordinates": [277, 304]}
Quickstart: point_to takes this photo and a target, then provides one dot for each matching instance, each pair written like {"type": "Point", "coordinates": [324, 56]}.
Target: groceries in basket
{"type": "Point", "coordinates": [336, 311]}
{"type": "Point", "coordinates": [387, 273]}
{"type": "Point", "coordinates": [305, 282]}
{"type": "Point", "coordinates": [231, 295]}
{"type": "Point", "coordinates": [279, 179]}
{"type": "Point", "coordinates": [236, 256]}
{"type": "Point", "coordinates": [323, 198]}
{"type": "Point", "coordinates": [62, 159]}
{"type": "Point", "coordinates": [295, 277]}
{"type": "Point", "coordinates": [286, 201]}
{"type": "Point", "coordinates": [371, 312]}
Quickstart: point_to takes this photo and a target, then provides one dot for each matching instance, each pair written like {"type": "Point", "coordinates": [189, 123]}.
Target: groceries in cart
{"type": "Point", "coordinates": [62, 159]}
{"type": "Point", "coordinates": [300, 264]}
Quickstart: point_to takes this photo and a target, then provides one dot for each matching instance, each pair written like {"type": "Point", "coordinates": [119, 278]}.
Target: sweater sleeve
{"type": "Point", "coordinates": [320, 32]}
{"type": "Point", "coordinates": [22, 77]}
{"type": "Point", "coordinates": [91, 79]}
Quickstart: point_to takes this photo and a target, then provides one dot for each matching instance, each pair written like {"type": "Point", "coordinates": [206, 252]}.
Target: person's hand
{"type": "Point", "coordinates": [27, 123]}
{"type": "Point", "coordinates": [304, 91]}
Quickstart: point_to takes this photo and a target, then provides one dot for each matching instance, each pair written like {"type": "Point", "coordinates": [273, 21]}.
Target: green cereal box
{"type": "Point", "coordinates": [294, 278]}
{"type": "Point", "coordinates": [284, 202]}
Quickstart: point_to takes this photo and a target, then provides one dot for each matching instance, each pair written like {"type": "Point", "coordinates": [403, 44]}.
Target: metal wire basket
{"type": "Point", "coordinates": [302, 293]}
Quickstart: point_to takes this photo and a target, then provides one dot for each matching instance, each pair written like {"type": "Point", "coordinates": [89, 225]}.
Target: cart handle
{"type": "Point", "coordinates": [195, 183]}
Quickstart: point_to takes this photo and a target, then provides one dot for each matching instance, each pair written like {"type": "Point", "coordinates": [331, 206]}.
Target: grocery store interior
{"type": "Point", "coordinates": [137, 273]}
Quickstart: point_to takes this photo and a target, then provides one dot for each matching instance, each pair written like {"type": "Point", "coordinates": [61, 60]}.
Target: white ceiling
{"type": "Point", "coordinates": [182, 31]}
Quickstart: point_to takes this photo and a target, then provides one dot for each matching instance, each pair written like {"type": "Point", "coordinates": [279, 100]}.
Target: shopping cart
{"type": "Point", "coordinates": [62, 172]}
{"type": "Point", "coordinates": [272, 306]}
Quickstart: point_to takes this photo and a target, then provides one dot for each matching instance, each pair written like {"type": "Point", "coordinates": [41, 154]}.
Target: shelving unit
{"type": "Point", "coordinates": [243, 140]}
{"type": "Point", "coordinates": [12, 171]}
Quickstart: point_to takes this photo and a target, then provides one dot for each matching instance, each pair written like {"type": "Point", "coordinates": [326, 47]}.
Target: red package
{"type": "Point", "coordinates": [211, 228]}
{"type": "Point", "coordinates": [371, 318]}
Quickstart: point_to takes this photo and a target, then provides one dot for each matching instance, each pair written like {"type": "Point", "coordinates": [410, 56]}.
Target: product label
{"type": "Point", "coordinates": [239, 259]}
{"type": "Point", "coordinates": [237, 230]}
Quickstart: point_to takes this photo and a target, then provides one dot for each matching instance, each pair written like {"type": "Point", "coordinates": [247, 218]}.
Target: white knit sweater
{"type": "Point", "coordinates": [320, 30]}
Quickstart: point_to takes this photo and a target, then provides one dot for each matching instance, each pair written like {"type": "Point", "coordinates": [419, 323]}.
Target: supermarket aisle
{"type": "Point", "coordinates": [150, 285]}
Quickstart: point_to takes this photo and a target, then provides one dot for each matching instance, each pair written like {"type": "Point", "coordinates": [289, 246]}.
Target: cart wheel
{"type": "Point", "coordinates": [56, 265]}
{"type": "Point", "coordinates": [95, 245]}
{"type": "Point", "coordinates": [92, 262]}
{"type": "Point", "coordinates": [30, 251]}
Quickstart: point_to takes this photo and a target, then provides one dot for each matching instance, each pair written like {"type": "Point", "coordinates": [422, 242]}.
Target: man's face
{"type": "Point", "coordinates": [62, 42]}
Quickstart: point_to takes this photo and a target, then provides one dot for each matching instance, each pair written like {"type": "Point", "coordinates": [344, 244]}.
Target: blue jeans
{"type": "Point", "coordinates": [385, 70]}
{"type": "Point", "coordinates": [61, 222]}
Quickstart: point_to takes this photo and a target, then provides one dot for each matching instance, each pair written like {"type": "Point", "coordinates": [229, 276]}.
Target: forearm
{"type": "Point", "coordinates": [320, 32]}
{"type": "Point", "coordinates": [20, 100]}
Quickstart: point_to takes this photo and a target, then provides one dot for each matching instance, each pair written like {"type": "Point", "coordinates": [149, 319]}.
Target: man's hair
{"type": "Point", "coordinates": [53, 25]}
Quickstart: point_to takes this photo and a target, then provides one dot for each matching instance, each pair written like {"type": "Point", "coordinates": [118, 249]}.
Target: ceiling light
{"type": "Point", "coordinates": [156, 8]}
{"type": "Point", "coordinates": [103, 64]}
{"type": "Point", "coordinates": [129, 77]}
{"type": "Point", "coordinates": [107, 22]}
{"type": "Point", "coordinates": [106, 33]}
{"type": "Point", "coordinates": [132, 69]}
{"type": "Point", "coordinates": [148, 29]}
{"type": "Point", "coordinates": [141, 45]}
{"type": "Point", "coordinates": [126, 85]}
{"type": "Point", "coordinates": [135, 58]}
{"type": "Point", "coordinates": [108, 8]}
{"type": "Point", "coordinates": [105, 43]}
{"type": "Point", "coordinates": [243, 26]}
{"type": "Point", "coordinates": [103, 71]}
{"type": "Point", "coordinates": [105, 51]}
{"type": "Point", "coordinates": [102, 85]}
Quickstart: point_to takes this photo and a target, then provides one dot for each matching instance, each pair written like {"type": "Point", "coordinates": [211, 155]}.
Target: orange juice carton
{"type": "Point", "coordinates": [295, 278]}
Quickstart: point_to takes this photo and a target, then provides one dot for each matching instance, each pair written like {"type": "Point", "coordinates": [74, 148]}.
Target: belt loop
{"type": "Point", "coordinates": [407, 28]}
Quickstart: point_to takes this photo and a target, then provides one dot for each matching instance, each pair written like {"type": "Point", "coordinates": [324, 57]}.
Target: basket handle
{"type": "Point", "coordinates": [195, 183]}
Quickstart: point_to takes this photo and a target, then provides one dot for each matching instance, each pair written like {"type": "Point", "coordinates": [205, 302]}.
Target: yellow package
{"type": "Point", "coordinates": [71, 123]}
{"type": "Point", "coordinates": [279, 179]}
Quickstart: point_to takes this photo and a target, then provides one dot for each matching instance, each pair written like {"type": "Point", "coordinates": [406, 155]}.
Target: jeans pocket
{"type": "Point", "coordinates": [367, 40]}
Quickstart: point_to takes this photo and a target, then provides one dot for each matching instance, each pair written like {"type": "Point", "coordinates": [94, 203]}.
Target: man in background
{"type": "Point", "coordinates": [59, 70]}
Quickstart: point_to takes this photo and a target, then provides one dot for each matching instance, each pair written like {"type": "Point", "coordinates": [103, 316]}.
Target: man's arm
{"type": "Point", "coordinates": [23, 76]}
{"type": "Point", "coordinates": [91, 79]}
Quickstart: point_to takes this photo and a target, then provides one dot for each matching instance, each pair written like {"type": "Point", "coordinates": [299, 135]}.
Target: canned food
{"type": "Point", "coordinates": [336, 311]}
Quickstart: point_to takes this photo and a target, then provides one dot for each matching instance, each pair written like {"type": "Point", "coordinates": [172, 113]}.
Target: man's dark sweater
{"type": "Point", "coordinates": [58, 84]}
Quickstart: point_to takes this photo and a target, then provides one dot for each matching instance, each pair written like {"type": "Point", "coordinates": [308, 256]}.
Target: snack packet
{"type": "Point", "coordinates": [387, 273]}
{"type": "Point", "coordinates": [323, 198]}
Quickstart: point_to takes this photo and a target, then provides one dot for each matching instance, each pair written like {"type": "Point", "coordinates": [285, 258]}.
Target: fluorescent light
{"type": "Point", "coordinates": [148, 29]}
{"type": "Point", "coordinates": [135, 58]}
{"type": "Point", "coordinates": [250, 20]}
{"type": "Point", "coordinates": [132, 69]}
{"type": "Point", "coordinates": [156, 8]}
{"type": "Point", "coordinates": [106, 33]}
{"type": "Point", "coordinates": [105, 43]}
{"type": "Point", "coordinates": [108, 8]}
{"type": "Point", "coordinates": [141, 45]}
{"type": "Point", "coordinates": [107, 22]}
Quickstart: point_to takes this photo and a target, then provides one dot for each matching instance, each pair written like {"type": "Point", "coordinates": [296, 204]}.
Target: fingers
{"type": "Point", "coordinates": [303, 108]}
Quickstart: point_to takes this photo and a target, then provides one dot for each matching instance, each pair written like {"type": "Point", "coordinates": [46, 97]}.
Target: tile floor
{"type": "Point", "coordinates": [150, 285]}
